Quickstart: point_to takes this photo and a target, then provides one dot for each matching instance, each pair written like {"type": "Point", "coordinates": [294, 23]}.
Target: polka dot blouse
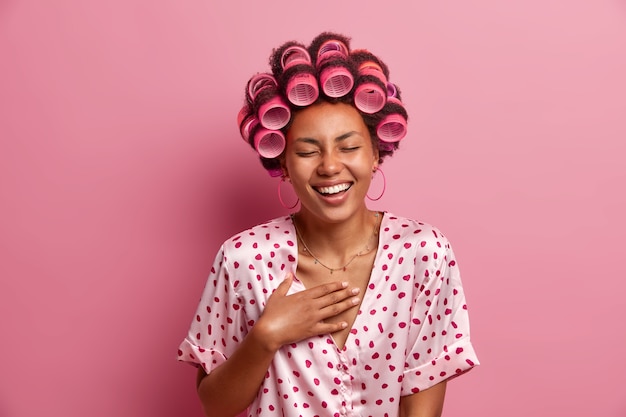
{"type": "Point", "coordinates": [411, 332]}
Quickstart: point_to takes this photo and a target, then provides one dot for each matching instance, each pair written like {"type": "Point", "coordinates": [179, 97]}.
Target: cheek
{"type": "Point", "coordinates": [363, 172]}
{"type": "Point", "coordinates": [372, 163]}
{"type": "Point", "coordinates": [290, 166]}
{"type": "Point", "coordinates": [299, 173]}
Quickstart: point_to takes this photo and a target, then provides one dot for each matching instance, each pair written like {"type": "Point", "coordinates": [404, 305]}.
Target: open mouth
{"type": "Point", "coordinates": [335, 189]}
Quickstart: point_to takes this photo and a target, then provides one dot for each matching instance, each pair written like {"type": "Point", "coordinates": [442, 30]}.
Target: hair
{"type": "Point", "coordinates": [325, 71]}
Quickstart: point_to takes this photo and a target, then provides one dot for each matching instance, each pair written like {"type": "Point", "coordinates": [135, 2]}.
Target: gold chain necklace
{"type": "Point", "coordinates": [364, 251]}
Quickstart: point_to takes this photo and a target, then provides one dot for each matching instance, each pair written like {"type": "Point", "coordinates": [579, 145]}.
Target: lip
{"type": "Point", "coordinates": [335, 198]}
{"type": "Point", "coordinates": [327, 185]}
{"type": "Point", "coordinates": [331, 183]}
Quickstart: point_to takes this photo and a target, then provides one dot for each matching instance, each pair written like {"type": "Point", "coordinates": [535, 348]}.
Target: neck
{"type": "Point", "coordinates": [338, 241]}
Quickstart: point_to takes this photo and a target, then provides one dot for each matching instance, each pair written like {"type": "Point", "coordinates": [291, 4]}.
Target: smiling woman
{"type": "Point", "coordinates": [336, 309]}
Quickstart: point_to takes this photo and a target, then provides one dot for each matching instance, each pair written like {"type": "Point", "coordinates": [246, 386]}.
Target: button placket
{"type": "Point", "coordinates": [345, 388]}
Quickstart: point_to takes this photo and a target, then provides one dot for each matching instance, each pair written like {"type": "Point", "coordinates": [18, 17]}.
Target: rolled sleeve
{"type": "Point", "coordinates": [219, 322]}
{"type": "Point", "coordinates": [441, 346]}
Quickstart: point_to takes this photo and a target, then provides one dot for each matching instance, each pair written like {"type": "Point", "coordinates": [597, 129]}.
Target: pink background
{"type": "Point", "coordinates": [121, 172]}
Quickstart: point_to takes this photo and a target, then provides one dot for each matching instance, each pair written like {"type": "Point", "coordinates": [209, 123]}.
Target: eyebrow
{"type": "Point", "coordinates": [339, 138]}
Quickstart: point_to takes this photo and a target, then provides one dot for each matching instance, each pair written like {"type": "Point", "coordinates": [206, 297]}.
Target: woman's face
{"type": "Point", "coordinates": [329, 159]}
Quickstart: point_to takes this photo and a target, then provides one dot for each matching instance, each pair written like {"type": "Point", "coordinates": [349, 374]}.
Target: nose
{"type": "Point", "coordinates": [330, 164]}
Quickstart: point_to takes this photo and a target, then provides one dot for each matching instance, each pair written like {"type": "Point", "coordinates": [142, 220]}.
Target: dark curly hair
{"type": "Point", "coordinates": [363, 72]}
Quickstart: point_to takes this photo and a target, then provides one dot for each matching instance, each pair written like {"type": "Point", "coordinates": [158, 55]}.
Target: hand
{"type": "Point", "coordinates": [291, 318]}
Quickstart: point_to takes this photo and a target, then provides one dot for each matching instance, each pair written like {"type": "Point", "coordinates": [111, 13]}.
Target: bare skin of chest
{"type": "Point", "coordinates": [357, 274]}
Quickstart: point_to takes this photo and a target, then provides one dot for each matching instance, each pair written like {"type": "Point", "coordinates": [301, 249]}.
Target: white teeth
{"type": "Point", "coordinates": [334, 189]}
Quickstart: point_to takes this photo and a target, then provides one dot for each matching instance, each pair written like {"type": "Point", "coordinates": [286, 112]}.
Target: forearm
{"type": "Point", "coordinates": [427, 403]}
{"type": "Point", "coordinates": [233, 385]}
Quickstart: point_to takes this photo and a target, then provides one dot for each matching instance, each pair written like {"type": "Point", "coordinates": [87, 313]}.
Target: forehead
{"type": "Point", "coordinates": [326, 121]}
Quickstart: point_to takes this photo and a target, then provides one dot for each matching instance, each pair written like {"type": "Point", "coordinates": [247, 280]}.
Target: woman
{"type": "Point", "coordinates": [336, 310]}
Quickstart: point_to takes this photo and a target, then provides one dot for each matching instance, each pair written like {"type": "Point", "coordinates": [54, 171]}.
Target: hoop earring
{"type": "Point", "coordinates": [384, 186]}
{"type": "Point", "coordinates": [280, 197]}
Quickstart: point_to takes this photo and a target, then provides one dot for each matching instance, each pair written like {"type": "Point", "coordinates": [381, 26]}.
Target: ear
{"type": "Point", "coordinates": [285, 174]}
{"type": "Point", "coordinates": [376, 160]}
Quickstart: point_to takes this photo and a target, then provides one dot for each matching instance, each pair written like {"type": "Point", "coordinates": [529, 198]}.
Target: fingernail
{"type": "Point", "coordinates": [356, 300]}
{"type": "Point", "coordinates": [344, 284]}
{"type": "Point", "coordinates": [355, 291]}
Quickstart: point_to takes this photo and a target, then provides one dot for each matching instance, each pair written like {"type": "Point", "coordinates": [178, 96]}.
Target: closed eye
{"type": "Point", "coordinates": [305, 154]}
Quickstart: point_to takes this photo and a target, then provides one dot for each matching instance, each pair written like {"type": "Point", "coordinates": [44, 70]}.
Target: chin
{"type": "Point", "coordinates": [337, 214]}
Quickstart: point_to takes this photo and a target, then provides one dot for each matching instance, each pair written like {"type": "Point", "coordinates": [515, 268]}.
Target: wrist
{"type": "Point", "coordinates": [261, 336]}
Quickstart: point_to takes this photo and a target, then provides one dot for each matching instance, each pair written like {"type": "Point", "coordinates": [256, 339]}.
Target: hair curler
{"type": "Point", "coordinates": [392, 91]}
{"type": "Point", "coordinates": [332, 49]}
{"type": "Point", "coordinates": [369, 96]}
{"type": "Point", "coordinates": [260, 82]}
{"type": "Point", "coordinates": [269, 143]}
{"type": "Point", "coordinates": [246, 120]}
{"type": "Point", "coordinates": [272, 110]}
{"type": "Point", "coordinates": [301, 87]}
{"type": "Point", "coordinates": [274, 113]}
{"type": "Point", "coordinates": [275, 172]}
{"type": "Point", "coordinates": [336, 80]}
{"type": "Point", "coordinates": [392, 128]}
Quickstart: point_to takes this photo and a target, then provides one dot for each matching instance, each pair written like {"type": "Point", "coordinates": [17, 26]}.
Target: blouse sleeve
{"type": "Point", "coordinates": [439, 333]}
{"type": "Point", "coordinates": [219, 323]}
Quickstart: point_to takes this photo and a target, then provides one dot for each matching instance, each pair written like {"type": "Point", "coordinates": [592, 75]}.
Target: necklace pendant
{"type": "Point", "coordinates": [331, 271]}
{"type": "Point", "coordinates": [345, 268]}
{"type": "Point", "coordinates": [315, 261]}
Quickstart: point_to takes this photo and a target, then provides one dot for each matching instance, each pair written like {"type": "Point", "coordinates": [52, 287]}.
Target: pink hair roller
{"type": "Point", "coordinates": [260, 82]}
{"type": "Point", "coordinates": [331, 49]}
{"type": "Point", "coordinates": [392, 128]}
{"type": "Point", "coordinates": [246, 123]}
{"type": "Point", "coordinates": [275, 172]}
{"type": "Point", "coordinates": [269, 143]}
{"type": "Point", "coordinates": [394, 100]}
{"type": "Point", "coordinates": [274, 113]}
{"type": "Point", "coordinates": [369, 97]}
{"type": "Point", "coordinates": [336, 81]}
{"type": "Point", "coordinates": [295, 55]}
{"type": "Point", "coordinates": [391, 91]}
{"type": "Point", "coordinates": [301, 88]}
